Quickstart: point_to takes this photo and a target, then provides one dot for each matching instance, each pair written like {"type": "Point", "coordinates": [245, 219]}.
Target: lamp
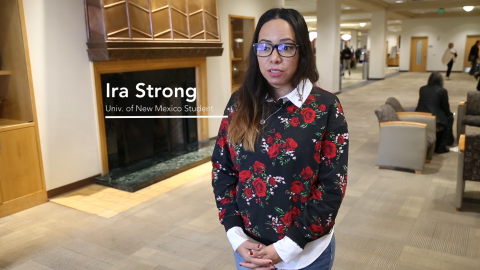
{"type": "Point", "coordinates": [346, 37]}
{"type": "Point", "coordinates": [312, 35]}
{"type": "Point", "coordinates": [468, 8]}
{"type": "Point", "coordinates": [362, 24]}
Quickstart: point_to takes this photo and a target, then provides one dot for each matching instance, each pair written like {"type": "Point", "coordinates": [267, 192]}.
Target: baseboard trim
{"type": "Point", "coordinates": [376, 79]}
{"type": "Point", "coordinates": [71, 187]}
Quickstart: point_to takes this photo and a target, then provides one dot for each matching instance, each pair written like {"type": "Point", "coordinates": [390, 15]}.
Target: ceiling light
{"type": "Point", "coordinates": [468, 8]}
{"type": "Point", "coordinates": [346, 37]}
{"type": "Point", "coordinates": [362, 24]}
{"type": "Point", "coordinates": [399, 2]}
{"type": "Point", "coordinates": [347, 7]}
{"type": "Point", "coordinates": [238, 40]}
{"type": "Point", "coordinates": [312, 35]}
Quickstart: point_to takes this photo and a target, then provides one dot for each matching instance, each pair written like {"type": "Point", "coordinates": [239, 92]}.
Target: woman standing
{"type": "Point", "coordinates": [448, 58]}
{"type": "Point", "coordinates": [280, 162]}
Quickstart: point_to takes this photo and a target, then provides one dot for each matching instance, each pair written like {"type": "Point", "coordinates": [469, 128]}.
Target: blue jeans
{"type": "Point", "coordinates": [323, 262]}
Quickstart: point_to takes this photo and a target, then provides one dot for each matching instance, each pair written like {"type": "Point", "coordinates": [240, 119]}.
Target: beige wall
{"type": "Point", "coordinates": [62, 81]}
{"type": "Point", "coordinates": [218, 75]}
{"type": "Point", "coordinates": [440, 32]}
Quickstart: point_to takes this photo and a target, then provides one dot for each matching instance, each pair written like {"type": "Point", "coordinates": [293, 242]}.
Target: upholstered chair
{"type": "Point", "coordinates": [397, 106]}
{"type": "Point", "coordinates": [468, 164]}
{"type": "Point", "coordinates": [406, 139]}
{"type": "Point", "coordinates": [468, 113]}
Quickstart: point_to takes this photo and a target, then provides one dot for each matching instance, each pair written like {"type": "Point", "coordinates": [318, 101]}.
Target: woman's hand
{"type": "Point", "coordinates": [253, 260]}
{"type": "Point", "coordinates": [270, 253]}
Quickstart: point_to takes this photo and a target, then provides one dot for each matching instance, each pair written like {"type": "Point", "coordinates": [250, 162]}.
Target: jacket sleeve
{"type": "Point", "coordinates": [444, 104]}
{"type": "Point", "coordinates": [225, 175]}
{"type": "Point", "coordinates": [318, 216]}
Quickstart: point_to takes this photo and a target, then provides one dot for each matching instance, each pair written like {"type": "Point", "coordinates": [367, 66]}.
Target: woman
{"type": "Point", "coordinates": [434, 99]}
{"type": "Point", "coordinates": [448, 58]}
{"type": "Point", "coordinates": [280, 162]}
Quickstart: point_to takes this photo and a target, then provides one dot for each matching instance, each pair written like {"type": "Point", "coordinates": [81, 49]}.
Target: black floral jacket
{"type": "Point", "coordinates": [294, 182]}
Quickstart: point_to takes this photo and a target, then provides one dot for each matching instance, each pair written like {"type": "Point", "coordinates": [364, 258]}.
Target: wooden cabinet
{"type": "Point", "coordinates": [22, 182]}
{"type": "Point", "coordinates": [241, 36]}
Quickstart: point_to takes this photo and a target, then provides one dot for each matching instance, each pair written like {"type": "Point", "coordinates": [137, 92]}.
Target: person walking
{"type": "Point", "coordinates": [449, 58]}
{"type": "Point", "coordinates": [280, 161]}
{"type": "Point", "coordinates": [473, 56]}
{"type": "Point", "coordinates": [347, 57]}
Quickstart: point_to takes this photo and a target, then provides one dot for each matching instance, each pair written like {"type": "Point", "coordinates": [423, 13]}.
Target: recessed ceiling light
{"type": "Point", "coordinates": [399, 1]}
{"type": "Point", "coordinates": [347, 7]}
{"type": "Point", "coordinates": [468, 8]}
{"type": "Point", "coordinates": [362, 24]}
{"type": "Point", "coordinates": [346, 37]}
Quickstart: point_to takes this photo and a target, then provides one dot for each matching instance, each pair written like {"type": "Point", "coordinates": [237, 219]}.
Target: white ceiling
{"type": "Point", "coordinates": [354, 11]}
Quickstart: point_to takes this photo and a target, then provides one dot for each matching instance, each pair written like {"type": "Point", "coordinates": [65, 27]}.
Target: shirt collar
{"type": "Point", "coordinates": [293, 97]}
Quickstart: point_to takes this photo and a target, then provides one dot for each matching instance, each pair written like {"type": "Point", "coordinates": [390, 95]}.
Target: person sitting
{"type": "Point", "coordinates": [433, 98]}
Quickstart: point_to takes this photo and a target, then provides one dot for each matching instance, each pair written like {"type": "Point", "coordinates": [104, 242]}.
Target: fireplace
{"type": "Point", "coordinates": [148, 119]}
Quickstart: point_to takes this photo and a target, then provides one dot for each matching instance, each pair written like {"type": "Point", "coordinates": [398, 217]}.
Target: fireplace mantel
{"type": "Point", "coordinates": [150, 29]}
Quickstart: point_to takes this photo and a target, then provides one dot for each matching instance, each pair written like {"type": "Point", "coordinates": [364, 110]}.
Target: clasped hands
{"type": "Point", "coordinates": [258, 258]}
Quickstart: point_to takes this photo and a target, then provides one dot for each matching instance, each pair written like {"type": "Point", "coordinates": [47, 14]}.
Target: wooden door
{"type": "Point", "coordinates": [418, 54]}
{"type": "Point", "coordinates": [386, 52]}
{"type": "Point", "coordinates": [468, 45]}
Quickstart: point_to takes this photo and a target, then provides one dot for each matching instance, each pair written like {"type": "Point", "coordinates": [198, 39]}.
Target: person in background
{"type": "Point", "coordinates": [280, 161]}
{"type": "Point", "coordinates": [358, 52]}
{"type": "Point", "coordinates": [448, 58]}
{"type": "Point", "coordinates": [346, 57]}
{"type": "Point", "coordinates": [473, 56]}
{"type": "Point", "coordinates": [434, 99]}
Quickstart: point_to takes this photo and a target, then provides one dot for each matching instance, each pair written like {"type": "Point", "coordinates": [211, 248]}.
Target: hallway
{"type": "Point", "coordinates": [389, 219]}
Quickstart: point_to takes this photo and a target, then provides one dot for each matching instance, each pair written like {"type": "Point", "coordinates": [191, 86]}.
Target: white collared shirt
{"type": "Point", "coordinates": [293, 257]}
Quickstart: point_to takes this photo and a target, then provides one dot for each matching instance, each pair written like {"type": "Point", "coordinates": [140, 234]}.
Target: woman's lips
{"type": "Point", "coordinates": [275, 72]}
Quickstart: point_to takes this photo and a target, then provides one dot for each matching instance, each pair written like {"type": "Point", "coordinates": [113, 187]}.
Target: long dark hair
{"type": "Point", "coordinates": [251, 96]}
{"type": "Point", "coordinates": [435, 79]}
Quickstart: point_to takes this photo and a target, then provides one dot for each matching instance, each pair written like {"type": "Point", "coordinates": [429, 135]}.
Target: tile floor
{"type": "Point", "coordinates": [389, 219]}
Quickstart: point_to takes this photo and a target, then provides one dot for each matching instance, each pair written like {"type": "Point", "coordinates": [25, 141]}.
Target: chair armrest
{"type": "Point", "coordinates": [406, 114]}
{"type": "Point", "coordinates": [461, 143]}
{"type": "Point", "coordinates": [402, 123]}
{"type": "Point", "coordinates": [424, 118]}
{"type": "Point", "coordinates": [462, 103]}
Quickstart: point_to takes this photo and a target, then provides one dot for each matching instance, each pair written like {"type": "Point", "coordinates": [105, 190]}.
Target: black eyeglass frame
{"type": "Point", "coordinates": [275, 46]}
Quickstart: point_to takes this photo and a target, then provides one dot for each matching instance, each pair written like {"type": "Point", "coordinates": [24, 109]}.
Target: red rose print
{"type": "Point", "coordinates": [291, 108]}
{"type": "Point", "coordinates": [309, 100]}
{"type": "Point", "coordinates": [233, 154]}
{"type": "Point", "coordinates": [306, 173]}
{"type": "Point", "coordinates": [222, 141]}
{"type": "Point", "coordinates": [221, 214]}
{"type": "Point", "coordinates": [216, 165]}
{"type": "Point", "coordinates": [258, 167]}
{"type": "Point", "coordinates": [316, 228]}
{"type": "Point", "coordinates": [322, 107]}
{"type": "Point", "coordinates": [290, 144]}
{"type": "Point", "coordinates": [269, 139]}
{"type": "Point", "coordinates": [246, 221]}
{"type": "Point", "coordinates": [224, 125]}
{"type": "Point", "coordinates": [260, 187]}
{"type": "Point", "coordinates": [295, 122]}
{"type": "Point", "coordinates": [244, 176]}
{"type": "Point", "coordinates": [303, 199]}
{"type": "Point", "coordinates": [318, 146]}
{"type": "Point", "coordinates": [341, 139]}
{"type": "Point", "coordinates": [290, 216]}
{"type": "Point", "coordinates": [226, 200]}
{"type": "Point", "coordinates": [278, 136]}
{"type": "Point", "coordinates": [329, 149]}
{"type": "Point", "coordinates": [317, 157]}
{"type": "Point", "coordinates": [297, 187]}
{"type": "Point", "coordinates": [340, 109]}
{"type": "Point", "coordinates": [308, 115]}
{"type": "Point", "coordinates": [274, 150]}
{"type": "Point", "coordinates": [272, 181]}
{"type": "Point", "coordinates": [295, 198]}
{"type": "Point", "coordinates": [233, 192]}
{"type": "Point", "coordinates": [248, 193]}
{"type": "Point", "coordinates": [317, 194]}
{"type": "Point", "coordinates": [281, 229]}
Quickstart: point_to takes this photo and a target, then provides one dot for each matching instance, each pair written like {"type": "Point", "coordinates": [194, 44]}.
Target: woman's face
{"type": "Point", "coordinates": [278, 70]}
{"type": "Point", "coordinates": [450, 45]}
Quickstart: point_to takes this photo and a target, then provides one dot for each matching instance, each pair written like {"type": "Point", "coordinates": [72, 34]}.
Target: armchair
{"type": "Point", "coordinates": [404, 144]}
{"type": "Point", "coordinates": [468, 113]}
{"type": "Point", "coordinates": [397, 106]}
{"type": "Point", "coordinates": [468, 164]}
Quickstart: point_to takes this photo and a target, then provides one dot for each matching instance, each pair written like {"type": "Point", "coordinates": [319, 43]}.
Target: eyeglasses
{"type": "Point", "coordinates": [284, 49]}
